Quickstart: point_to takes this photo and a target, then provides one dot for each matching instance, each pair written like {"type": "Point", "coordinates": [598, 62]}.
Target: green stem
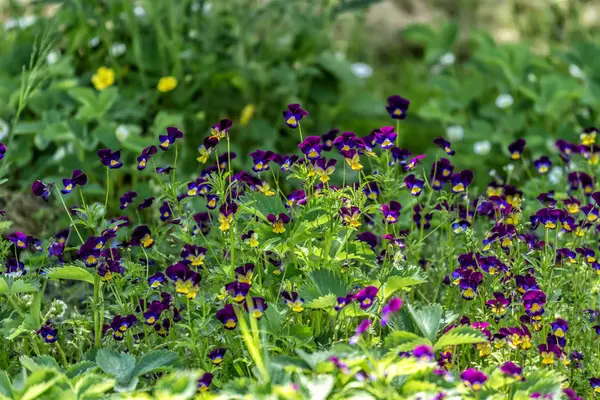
{"type": "Point", "coordinates": [95, 307]}
{"type": "Point", "coordinates": [69, 214]}
{"type": "Point", "coordinates": [106, 198]}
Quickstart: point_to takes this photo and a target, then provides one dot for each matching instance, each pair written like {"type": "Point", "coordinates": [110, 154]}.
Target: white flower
{"type": "Point", "coordinates": [455, 132]}
{"type": "Point", "coordinates": [509, 168]}
{"type": "Point", "coordinates": [11, 24]}
{"type": "Point", "coordinates": [27, 21]}
{"type": "Point", "coordinates": [122, 133]}
{"type": "Point", "coordinates": [555, 174]}
{"type": "Point", "coordinates": [362, 70]}
{"type": "Point", "coordinates": [93, 42]}
{"type": "Point", "coordinates": [118, 49]}
{"type": "Point", "coordinates": [504, 101]}
{"type": "Point", "coordinates": [482, 148]}
{"type": "Point", "coordinates": [531, 77]}
{"type": "Point", "coordinates": [576, 72]}
{"type": "Point", "coordinates": [52, 57]}
{"type": "Point", "coordinates": [492, 172]}
{"type": "Point", "coordinates": [139, 11]}
{"type": "Point", "coordinates": [447, 59]}
{"type": "Point", "coordinates": [3, 129]}
{"type": "Point", "coordinates": [207, 8]}
{"type": "Point", "coordinates": [59, 154]}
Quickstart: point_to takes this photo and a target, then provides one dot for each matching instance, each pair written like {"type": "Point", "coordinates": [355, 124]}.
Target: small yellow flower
{"type": "Point", "coordinates": [166, 84]}
{"type": "Point", "coordinates": [247, 114]}
{"type": "Point", "coordinates": [103, 78]}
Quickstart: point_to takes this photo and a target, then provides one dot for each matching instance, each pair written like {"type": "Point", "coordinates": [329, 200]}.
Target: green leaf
{"type": "Point", "coordinates": [86, 96]}
{"type": "Point", "coordinates": [119, 365]}
{"type": "Point", "coordinates": [400, 337]}
{"type": "Point", "coordinates": [156, 360]}
{"type": "Point", "coordinates": [79, 368]}
{"type": "Point", "coordinates": [93, 386]}
{"type": "Point", "coordinates": [322, 282]}
{"type": "Point", "coordinates": [71, 272]}
{"type": "Point", "coordinates": [396, 283]}
{"type": "Point", "coordinates": [25, 286]}
{"type": "Point", "coordinates": [180, 385]}
{"type": "Point", "coordinates": [3, 286]}
{"type": "Point", "coordinates": [427, 319]}
{"type": "Point", "coordinates": [326, 301]}
{"type": "Point", "coordinates": [460, 335]}
{"type": "Point", "coordinates": [5, 385]}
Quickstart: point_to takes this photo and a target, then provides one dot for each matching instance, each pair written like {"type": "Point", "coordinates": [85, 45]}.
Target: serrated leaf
{"type": "Point", "coordinates": [3, 286]}
{"type": "Point", "coordinates": [25, 286]}
{"type": "Point", "coordinates": [395, 283]}
{"type": "Point", "coordinates": [322, 302]}
{"type": "Point", "coordinates": [155, 360]}
{"type": "Point", "coordinates": [399, 337]}
{"type": "Point", "coordinates": [5, 385]}
{"type": "Point", "coordinates": [427, 319]}
{"type": "Point", "coordinates": [406, 366]}
{"type": "Point", "coordinates": [93, 385]}
{"type": "Point", "coordinates": [71, 272]}
{"type": "Point", "coordinates": [460, 335]}
{"type": "Point", "coordinates": [119, 365]}
{"type": "Point", "coordinates": [79, 368]}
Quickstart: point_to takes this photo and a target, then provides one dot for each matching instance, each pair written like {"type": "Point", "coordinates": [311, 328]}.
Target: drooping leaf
{"type": "Point", "coordinates": [460, 335]}
{"type": "Point", "coordinates": [395, 283]}
{"type": "Point", "coordinates": [71, 272]}
{"type": "Point", "coordinates": [156, 360]}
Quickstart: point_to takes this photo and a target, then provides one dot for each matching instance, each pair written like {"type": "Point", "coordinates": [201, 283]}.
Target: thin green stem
{"type": "Point", "coordinates": [69, 214]}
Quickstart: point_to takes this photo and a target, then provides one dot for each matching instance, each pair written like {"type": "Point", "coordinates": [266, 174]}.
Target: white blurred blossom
{"type": "Point", "coordinates": [555, 174]}
{"type": "Point", "coordinates": [504, 100]}
{"type": "Point", "coordinates": [139, 11]}
{"type": "Point", "coordinates": [482, 147]}
{"type": "Point", "coordinates": [26, 21]}
{"type": "Point", "coordinates": [576, 72]}
{"type": "Point", "coordinates": [122, 133]}
{"type": "Point", "coordinates": [11, 24]}
{"type": "Point", "coordinates": [448, 59]}
{"type": "Point", "coordinates": [455, 132]}
{"type": "Point", "coordinates": [509, 168]}
{"type": "Point", "coordinates": [52, 57]}
{"type": "Point", "coordinates": [94, 42]}
{"type": "Point", "coordinates": [3, 129]}
{"type": "Point", "coordinates": [362, 70]}
{"type": "Point", "coordinates": [118, 49]}
{"type": "Point", "coordinates": [59, 154]}
{"type": "Point", "coordinates": [531, 77]}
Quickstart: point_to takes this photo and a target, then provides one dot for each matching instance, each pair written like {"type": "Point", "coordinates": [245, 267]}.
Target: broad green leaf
{"type": "Point", "coordinates": [79, 368]}
{"type": "Point", "coordinates": [396, 283]}
{"type": "Point", "coordinates": [427, 319]}
{"type": "Point", "coordinates": [155, 360]}
{"type": "Point", "coordinates": [399, 337]}
{"type": "Point", "coordinates": [71, 272]}
{"type": "Point", "coordinates": [177, 386]}
{"type": "Point", "coordinates": [86, 96]}
{"type": "Point", "coordinates": [3, 286]}
{"type": "Point", "coordinates": [326, 301]}
{"type": "Point", "coordinates": [460, 335]}
{"type": "Point", "coordinates": [5, 385]}
{"type": "Point", "coordinates": [119, 365]}
{"type": "Point", "coordinates": [93, 385]}
{"type": "Point", "coordinates": [406, 366]}
{"type": "Point", "coordinates": [23, 286]}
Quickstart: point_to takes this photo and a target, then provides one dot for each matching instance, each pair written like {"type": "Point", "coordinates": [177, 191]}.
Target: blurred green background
{"type": "Point", "coordinates": [479, 72]}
